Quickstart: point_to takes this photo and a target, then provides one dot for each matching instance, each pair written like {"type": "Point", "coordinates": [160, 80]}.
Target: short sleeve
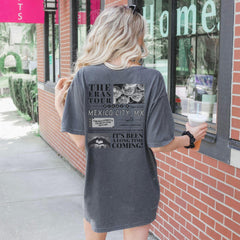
{"type": "Point", "coordinates": [74, 109]}
{"type": "Point", "coordinates": [160, 123]}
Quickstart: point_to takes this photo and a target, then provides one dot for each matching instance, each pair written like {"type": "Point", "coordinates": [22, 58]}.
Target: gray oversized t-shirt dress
{"type": "Point", "coordinates": [122, 113]}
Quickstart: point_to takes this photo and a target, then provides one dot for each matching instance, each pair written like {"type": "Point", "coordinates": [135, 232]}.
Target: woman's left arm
{"type": "Point", "coordinates": [60, 89]}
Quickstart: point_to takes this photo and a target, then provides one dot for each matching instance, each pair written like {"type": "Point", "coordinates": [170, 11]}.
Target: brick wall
{"type": "Point", "coordinates": [200, 196]}
{"type": "Point", "coordinates": [40, 52]}
{"type": "Point", "coordinates": [235, 122]}
{"type": "Point", "coordinates": [50, 131]}
{"type": "Point", "coordinates": [65, 38]}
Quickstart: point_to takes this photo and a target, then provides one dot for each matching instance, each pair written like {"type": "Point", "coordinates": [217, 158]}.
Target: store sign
{"type": "Point", "coordinates": [22, 11]}
{"type": "Point", "coordinates": [186, 16]}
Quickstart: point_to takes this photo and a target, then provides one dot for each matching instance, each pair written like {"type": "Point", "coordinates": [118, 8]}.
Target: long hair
{"type": "Point", "coordinates": [115, 33]}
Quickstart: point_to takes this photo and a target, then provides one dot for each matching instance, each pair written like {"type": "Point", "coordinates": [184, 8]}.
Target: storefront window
{"type": "Point", "coordinates": [52, 50]}
{"type": "Point", "coordinates": [197, 54]}
{"type": "Point", "coordinates": [82, 24]}
{"type": "Point", "coordinates": [156, 14]}
{"type": "Point", "coordinates": [86, 17]}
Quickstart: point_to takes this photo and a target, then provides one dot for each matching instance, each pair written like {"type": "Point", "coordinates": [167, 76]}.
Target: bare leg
{"type": "Point", "coordinates": [90, 234]}
{"type": "Point", "coordinates": [139, 233]}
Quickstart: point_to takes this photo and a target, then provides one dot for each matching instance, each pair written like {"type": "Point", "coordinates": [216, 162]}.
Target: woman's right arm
{"type": "Point", "coordinates": [60, 90]}
{"type": "Point", "coordinates": [182, 141]}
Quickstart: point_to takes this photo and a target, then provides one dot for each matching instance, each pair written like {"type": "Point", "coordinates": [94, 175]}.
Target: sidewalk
{"type": "Point", "coordinates": [41, 195]}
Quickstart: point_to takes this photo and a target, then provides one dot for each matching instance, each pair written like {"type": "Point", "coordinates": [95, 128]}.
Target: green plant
{"type": "Point", "coordinates": [25, 96]}
{"type": "Point", "coordinates": [18, 67]}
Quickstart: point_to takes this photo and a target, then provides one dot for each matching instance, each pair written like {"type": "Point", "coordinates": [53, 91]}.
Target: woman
{"type": "Point", "coordinates": [118, 111]}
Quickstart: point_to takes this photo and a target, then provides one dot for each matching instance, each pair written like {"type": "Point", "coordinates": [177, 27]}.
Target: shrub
{"type": "Point", "coordinates": [24, 95]}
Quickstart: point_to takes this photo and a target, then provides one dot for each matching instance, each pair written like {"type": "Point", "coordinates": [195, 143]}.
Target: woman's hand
{"type": "Point", "coordinates": [198, 132]}
{"type": "Point", "coordinates": [60, 90]}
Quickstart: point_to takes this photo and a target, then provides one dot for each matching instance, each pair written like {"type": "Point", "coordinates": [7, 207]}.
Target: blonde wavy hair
{"type": "Point", "coordinates": [115, 34]}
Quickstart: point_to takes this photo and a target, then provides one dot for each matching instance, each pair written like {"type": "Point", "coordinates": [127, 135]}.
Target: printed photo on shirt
{"type": "Point", "coordinates": [99, 140]}
{"type": "Point", "coordinates": [128, 93]}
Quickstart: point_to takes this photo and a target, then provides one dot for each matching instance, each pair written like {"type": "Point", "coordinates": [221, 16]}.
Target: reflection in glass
{"type": "Point", "coordinates": [197, 52]}
{"type": "Point", "coordinates": [157, 16]}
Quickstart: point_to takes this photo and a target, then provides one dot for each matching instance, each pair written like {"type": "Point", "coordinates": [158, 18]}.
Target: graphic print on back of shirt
{"type": "Point", "coordinates": [115, 115]}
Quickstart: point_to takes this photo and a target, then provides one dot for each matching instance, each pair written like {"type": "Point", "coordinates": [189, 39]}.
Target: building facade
{"type": "Point", "coordinates": [195, 44]}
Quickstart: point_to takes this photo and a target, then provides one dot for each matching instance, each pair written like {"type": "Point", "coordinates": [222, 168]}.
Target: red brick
{"type": "Point", "coordinates": [236, 88]}
{"type": "Point", "coordinates": [207, 220]}
{"type": "Point", "coordinates": [233, 181]}
{"type": "Point", "coordinates": [174, 223]}
{"type": "Point", "coordinates": [176, 155]}
{"type": "Point", "coordinates": [236, 100]}
{"type": "Point", "coordinates": [184, 214]}
{"type": "Point", "coordinates": [175, 189]}
{"type": "Point", "coordinates": [174, 206]}
{"type": "Point", "coordinates": [225, 188]}
{"type": "Point", "coordinates": [187, 197]}
{"type": "Point", "coordinates": [170, 178]}
{"type": "Point", "coordinates": [235, 134]}
{"type": "Point", "coordinates": [188, 161]}
{"type": "Point", "coordinates": [236, 76]}
{"type": "Point", "coordinates": [236, 64]}
{"type": "Point", "coordinates": [191, 209]}
{"type": "Point", "coordinates": [185, 232]}
{"type": "Point", "coordinates": [182, 167]}
{"type": "Point", "coordinates": [235, 237]}
{"type": "Point", "coordinates": [201, 186]}
{"type": "Point", "coordinates": [237, 52]}
{"type": "Point", "coordinates": [238, 172]}
{"type": "Point", "coordinates": [232, 225]}
{"type": "Point", "coordinates": [196, 174]}
{"type": "Point", "coordinates": [187, 179]}
{"type": "Point", "coordinates": [200, 205]}
{"type": "Point", "coordinates": [235, 111]}
{"type": "Point", "coordinates": [193, 192]}
{"type": "Point", "coordinates": [236, 122]}
{"type": "Point", "coordinates": [175, 173]}
{"type": "Point", "coordinates": [192, 229]}
{"type": "Point", "coordinates": [183, 150]}
{"type": "Point", "coordinates": [210, 161]}
{"type": "Point", "coordinates": [232, 203]}
{"type": "Point", "coordinates": [211, 181]}
{"type": "Point", "coordinates": [181, 184]}
{"type": "Point", "coordinates": [203, 236]}
{"type": "Point", "coordinates": [217, 174]}
{"type": "Point", "coordinates": [237, 194]}
{"type": "Point", "coordinates": [195, 155]}
{"type": "Point", "coordinates": [213, 233]}
{"type": "Point", "coordinates": [216, 194]}
{"type": "Point", "coordinates": [169, 212]}
{"type": "Point", "coordinates": [223, 209]}
{"type": "Point", "coordinates": [238, 7]}
{"type": "Point", "coordinates": [206, 199]}
{"type": "Point", "coordinates": [236, 217]}
{"type": "Point", "coordinates": [201, 167]}
{"type": "Point", "coordinates": [226, 168]}
{"type": "Point", "coordinates": [216, 215]}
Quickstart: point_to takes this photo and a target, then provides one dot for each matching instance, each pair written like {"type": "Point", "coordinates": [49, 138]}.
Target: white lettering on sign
{"type": "Point", "coordinates": [188, 16]}
{"type": "Point", "coordinates": [20, 7]}
{"type": "Point", "coordinates": [185, 13]}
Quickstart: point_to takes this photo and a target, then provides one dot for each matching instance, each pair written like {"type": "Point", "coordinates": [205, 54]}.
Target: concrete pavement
{"type": "Point", "coordinates": [41, 195]}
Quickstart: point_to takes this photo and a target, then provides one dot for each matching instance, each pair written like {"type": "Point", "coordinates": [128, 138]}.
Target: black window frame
{"type": "Point", "coordinates": [47, 15]}
{"type": "Point", "coordinates": [216, 143]}
{"type": "Point", "coordinates": [74, 26]}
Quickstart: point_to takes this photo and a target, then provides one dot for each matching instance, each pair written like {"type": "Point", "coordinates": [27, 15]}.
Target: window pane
{"type": "Point", "coordinates": [157, 15]}
{"type": "Point", "coordinates": [197, 53]}
{"type": "Point", "coordinates": [82, 27]}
